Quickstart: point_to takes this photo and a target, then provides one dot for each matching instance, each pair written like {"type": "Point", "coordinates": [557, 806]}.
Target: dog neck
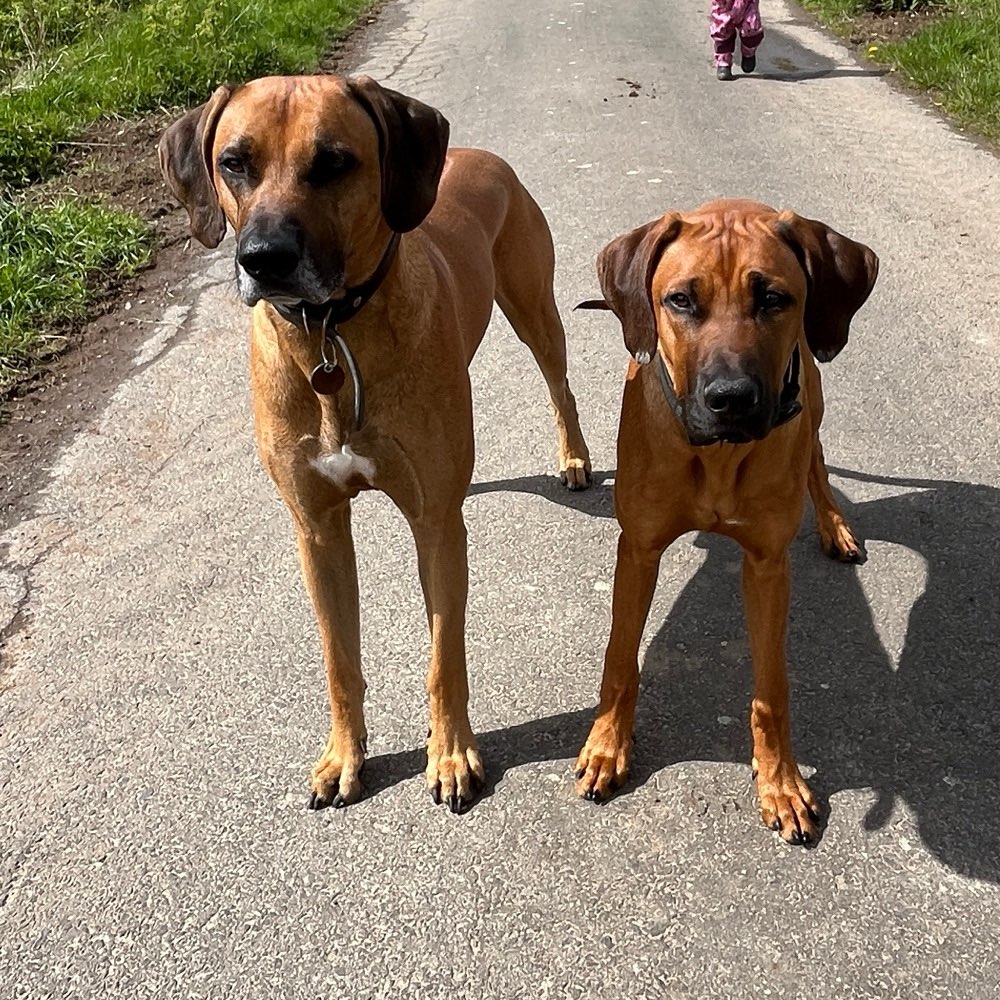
{"type": "Point", "coordinates": [328, 376]}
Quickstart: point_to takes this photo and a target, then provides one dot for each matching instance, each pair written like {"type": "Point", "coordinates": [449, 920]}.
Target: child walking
{"type": "Point", "coordinates": [730, 17]}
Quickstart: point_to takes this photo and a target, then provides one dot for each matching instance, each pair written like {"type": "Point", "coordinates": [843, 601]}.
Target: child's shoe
{"type": "Point", "coordinates": [724, 72]}
{"type": "Point", "coordinates": [748, 63]}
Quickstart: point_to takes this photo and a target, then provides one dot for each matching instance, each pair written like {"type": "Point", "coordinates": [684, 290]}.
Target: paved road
{"type": "Point", "coordinates": [165, 700]}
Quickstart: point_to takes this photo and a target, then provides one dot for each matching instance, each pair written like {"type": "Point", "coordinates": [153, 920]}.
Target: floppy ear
{"type": "Point", "coordinates": [625, 269]}
{"type": "Point", "coordinates": [412, 142]}
{"type": "Point", "coordinates": [840, 275]}
{"type": "Point", "coordinates": [185, 151]}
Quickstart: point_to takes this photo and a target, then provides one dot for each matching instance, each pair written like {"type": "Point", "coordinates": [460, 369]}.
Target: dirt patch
{"type": "Point", "coordinates": [114, 161]}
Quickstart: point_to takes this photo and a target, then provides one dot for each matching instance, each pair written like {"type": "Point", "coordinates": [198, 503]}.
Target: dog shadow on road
{"type": "Point", "coordinates": [924, 730]}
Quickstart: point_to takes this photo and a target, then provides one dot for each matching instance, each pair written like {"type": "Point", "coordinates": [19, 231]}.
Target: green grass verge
{"type": "Point", "coordinates": [837, 15]}
{"type": "Point", "coordinates": [52, 261]}
{"type": "Point", "coordinates": [955, 56]}
{"type": "Point", "coordinates": [155, 53]}
{"type": "Point", "coordinates": [29, 28]}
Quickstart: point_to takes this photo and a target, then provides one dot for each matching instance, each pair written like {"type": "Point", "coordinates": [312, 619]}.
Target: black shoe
{"type": "Point", "coordinates": [724, 72]}
{"type": "Point", "coordinates": [748, 64]}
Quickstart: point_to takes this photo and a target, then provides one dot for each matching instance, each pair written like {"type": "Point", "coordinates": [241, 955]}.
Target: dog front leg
{"type": "Point", "coordinates": [454, 768]}
{"type": "Point", "coordinates": [786, 803]}
{"type": "Point", "coordinates": [603, 762]}
{"type": "Point", "coordinates": [326, 554]}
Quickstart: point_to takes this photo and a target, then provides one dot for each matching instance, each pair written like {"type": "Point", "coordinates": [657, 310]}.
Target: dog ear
{"type": "Point", "coordinates": [840, 275]}
{"type": "Point", "coordinates": [625, 269]}
{"type": "Point", "coordinates": [185, 152]}
{"type": "Point", "coordinates": [413, 141]}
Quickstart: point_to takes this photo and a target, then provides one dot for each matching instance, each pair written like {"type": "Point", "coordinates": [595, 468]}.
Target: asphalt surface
{"type": "Point", "coordinates": [164, 699]}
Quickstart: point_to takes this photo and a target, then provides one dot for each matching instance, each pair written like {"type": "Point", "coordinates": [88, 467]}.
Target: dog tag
{"type": "Point", "coordinates": [327, 379]}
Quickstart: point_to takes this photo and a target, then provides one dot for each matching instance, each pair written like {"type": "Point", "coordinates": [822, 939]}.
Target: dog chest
{"type": "Point", "coordinates": [344, 469]}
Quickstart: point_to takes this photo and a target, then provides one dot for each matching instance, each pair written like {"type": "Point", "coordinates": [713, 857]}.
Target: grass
{"type": "Point", "coordinates": [836, 14]}
{"type": "Point", "coordinates": [954, 55]}
{"type": "Point", "coordinates": [957, 58]}
{"type": "Point", "coordinates": [52, 260]}
{"type": "Point", "coordinates": [67, 63]}
{"type": "Point", "coordinates": [29, 28]}
{"type": "Point", "coordinates": [154, 53]}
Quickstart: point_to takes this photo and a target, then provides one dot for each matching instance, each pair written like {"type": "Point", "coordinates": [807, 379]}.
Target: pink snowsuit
{"type": "Point", "coordinates": [730, 17]}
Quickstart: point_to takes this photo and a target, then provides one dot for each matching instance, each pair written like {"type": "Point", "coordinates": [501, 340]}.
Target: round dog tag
{"type": "Point", "coordinates": [327, 379]}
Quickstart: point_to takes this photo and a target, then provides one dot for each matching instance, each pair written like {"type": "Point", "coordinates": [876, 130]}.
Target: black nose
{"type": "Point", "coordinates": [733, 397]}
{"type": "Point", "coordinates": [270, 251]}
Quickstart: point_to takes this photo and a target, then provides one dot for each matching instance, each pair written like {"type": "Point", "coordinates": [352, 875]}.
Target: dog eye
{"type": "Point", "coordinates": [328, 165]}
{"type": "Point", "coordinates": [774, 300]}
{"type": "Point", "coordinates": [232, 164]}
{"type": "Point", "coordinates": [678, 301]}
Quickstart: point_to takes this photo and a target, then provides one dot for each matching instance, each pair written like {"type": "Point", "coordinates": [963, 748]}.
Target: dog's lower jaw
{"type": "Point", "coordinates": [699, 437]}
{"type": "Point", "coordinates": [702, 428]}
{"type": "Point", "coordinates": [707, 440]}
{"type": "Point", "coordinates": [249, 289]}
{"type": "Point", "coordinates": [310, 294]}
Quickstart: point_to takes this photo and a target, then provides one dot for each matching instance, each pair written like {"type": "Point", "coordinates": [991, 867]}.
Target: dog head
{"type": "Point", "coordinates": [725, 293]}
{"type": "Point", "coordinates": [313, 173]}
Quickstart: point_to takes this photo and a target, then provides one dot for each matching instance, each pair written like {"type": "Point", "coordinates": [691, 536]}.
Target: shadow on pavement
{"type": "Point", "coordinates": [924, 731]}
{"type": "Point", "coordinates": [799, 76]}
{"type": "Point", "coordinates": [597, 501]}
{"type": "Point", "coordinates": [782, 58]}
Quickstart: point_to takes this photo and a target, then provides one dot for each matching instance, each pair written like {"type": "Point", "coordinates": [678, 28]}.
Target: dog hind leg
{"type": "Point", "coordinates": [525, 264]}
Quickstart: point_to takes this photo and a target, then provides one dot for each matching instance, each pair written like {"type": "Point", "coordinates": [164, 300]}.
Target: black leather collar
{"type": "Point", "coordinates": [337, 311]}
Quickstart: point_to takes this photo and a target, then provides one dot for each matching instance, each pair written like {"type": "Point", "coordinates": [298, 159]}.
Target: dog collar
{"type": "Point", "coordinates": [327, 378]}
{"type": "Point", "coordinates": [789, 405]}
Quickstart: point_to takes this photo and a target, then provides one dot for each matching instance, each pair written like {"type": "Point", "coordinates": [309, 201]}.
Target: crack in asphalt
{"type": "Point", "coordinates": [405, 58]}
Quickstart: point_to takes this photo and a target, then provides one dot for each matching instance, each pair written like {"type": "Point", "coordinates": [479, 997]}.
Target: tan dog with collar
{"type": "Point", "coordinates": [723, 310]}
{"type": "Point", "coordinates": [317, 175]}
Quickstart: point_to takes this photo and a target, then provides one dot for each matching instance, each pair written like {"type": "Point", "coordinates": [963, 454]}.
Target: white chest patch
{"type": "Point", "coordinates": [345, 469]}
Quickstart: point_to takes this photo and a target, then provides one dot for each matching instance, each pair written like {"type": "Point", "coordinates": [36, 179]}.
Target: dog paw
{"type": "Point", "coordinates": [602, 766]}
{"type": "Point", "coordinates": [336, 778]}
{"type": "Point", "coordinates": [455, 773]}
{"type": "Point", "coordinates": [788, 807]}
{"type": "Point", "coordinates": [839, 543]}
{"type": "Point", "coordinates": [576, 475]}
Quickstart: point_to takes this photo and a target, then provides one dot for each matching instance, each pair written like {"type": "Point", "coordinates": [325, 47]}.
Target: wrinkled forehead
{"type": "Point", "coordinates": [279, 117]}
{"type": "Point", "coordinates": [729, 251]}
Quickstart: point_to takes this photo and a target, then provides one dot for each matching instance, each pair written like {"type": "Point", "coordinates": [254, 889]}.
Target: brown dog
{"type": "Point", "coordinates": [723, 311]}
{"type": "Point", "coordinates": [319, 176]}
